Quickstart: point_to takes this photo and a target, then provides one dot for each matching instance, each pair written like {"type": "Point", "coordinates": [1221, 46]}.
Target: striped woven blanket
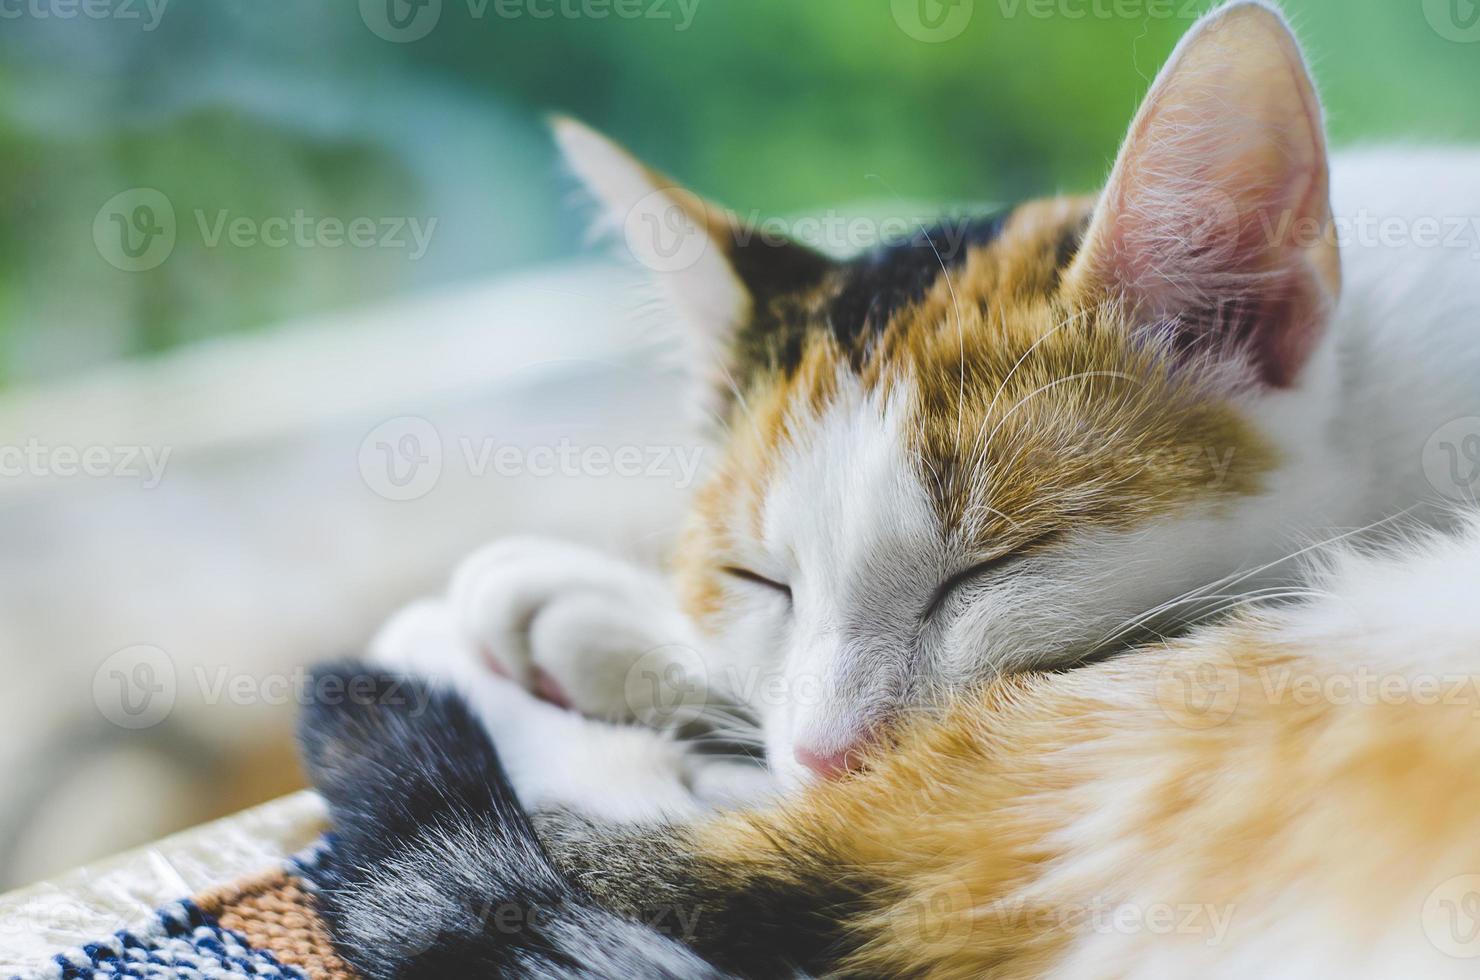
{"type": "Point", "coordinates": [264, 926]}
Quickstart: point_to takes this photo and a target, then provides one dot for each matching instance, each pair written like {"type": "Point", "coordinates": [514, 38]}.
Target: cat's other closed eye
{"type": "Point", "coordinates": [746, 575]}
{"type": "Point", "coordinates": [996, 563]}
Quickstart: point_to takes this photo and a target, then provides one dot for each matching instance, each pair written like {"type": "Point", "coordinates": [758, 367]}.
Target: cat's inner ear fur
{"type": "Point", "coordinates": [1215, 228]}
{"type": "Point", "coordinates": [714, 271]}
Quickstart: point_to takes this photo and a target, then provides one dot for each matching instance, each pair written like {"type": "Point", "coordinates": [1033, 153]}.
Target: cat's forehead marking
{"type": "Point", "coordinates": [876, 286]}
{"type": "Point", "coordinates": [859, 305]}
{"type": "Point", "coordinates": [1030, 412]}
{"type": "Point", "coordinates": [853, 303]}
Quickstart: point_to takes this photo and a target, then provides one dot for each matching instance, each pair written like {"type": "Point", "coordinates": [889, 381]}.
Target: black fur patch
{"type": "Point", "coordinates": [880, 283]}
{"type": "Point", "coordinates": [435, 870]}
{"type": "Point", "coordinates": [796, 291]}
{"type": "Point", "coordinates": [782, 916]}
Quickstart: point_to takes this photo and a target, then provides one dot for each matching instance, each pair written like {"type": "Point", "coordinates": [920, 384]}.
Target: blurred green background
{"type": "Point", "coordinates": [433, 109]}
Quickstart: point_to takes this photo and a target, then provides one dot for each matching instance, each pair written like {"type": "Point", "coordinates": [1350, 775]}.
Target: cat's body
{"type": "Point", "coordinates": [1290, 794]}
{"type": "Point", "coordinates": [1091, 420]}
{"type": "Point", "coordinates": [1097, 420]}
{"type": "Point", "coordinates": [1405, 336]}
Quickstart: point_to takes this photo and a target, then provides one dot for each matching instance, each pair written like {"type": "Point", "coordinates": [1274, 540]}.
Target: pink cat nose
{"type": "Point", "coordinates": [831, 765]}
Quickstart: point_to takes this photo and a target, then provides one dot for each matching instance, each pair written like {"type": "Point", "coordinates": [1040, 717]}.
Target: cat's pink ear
{"type": "Point", "coordinates": [1215, 228]}
{"type": "Point", "coordinates": [712, 269]}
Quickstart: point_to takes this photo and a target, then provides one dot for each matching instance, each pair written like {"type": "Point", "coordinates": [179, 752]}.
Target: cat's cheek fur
{"type": "Point", "coordinates": [1103, 587]}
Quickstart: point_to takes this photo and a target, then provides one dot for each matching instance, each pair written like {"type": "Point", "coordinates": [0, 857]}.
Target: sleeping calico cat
{"type": "Point", "coordinates": [1095, 417]}
{"type": "Point", "coordinates": [946, 468]}
{"type": "Point", "coordinates": [1290, 794]}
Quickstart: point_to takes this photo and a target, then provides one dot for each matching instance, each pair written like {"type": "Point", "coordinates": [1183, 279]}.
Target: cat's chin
{"type": "Point", "coordinates": [789, 774]}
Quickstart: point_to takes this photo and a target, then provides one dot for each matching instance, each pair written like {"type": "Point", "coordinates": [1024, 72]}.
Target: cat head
{"type": "Point", "coordinates": [989, 445]}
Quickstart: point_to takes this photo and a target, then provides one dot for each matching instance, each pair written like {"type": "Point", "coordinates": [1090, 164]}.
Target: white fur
{"type": "Point", "coordinates": [1406, 611]}
{"type": "Point", "coordinates": [586, 619]}
{"type": "Point", "coordinates": [556, 758]}
{"type": "Point", "coordinates": [840, 661]}
{"type": "Point", "coordinates": [848, 526]}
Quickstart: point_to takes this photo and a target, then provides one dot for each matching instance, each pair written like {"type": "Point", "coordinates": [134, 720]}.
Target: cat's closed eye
{"type": "Point", "coordinates": [994, 564]}
{"type": "Point", "coordinates": [756, 578]}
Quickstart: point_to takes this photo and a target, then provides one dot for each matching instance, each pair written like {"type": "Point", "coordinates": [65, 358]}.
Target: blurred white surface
{"type": "Point", "coordinates": [273, 540]}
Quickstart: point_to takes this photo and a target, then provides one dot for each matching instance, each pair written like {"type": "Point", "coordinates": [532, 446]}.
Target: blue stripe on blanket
{"type": "Point", "coordinates": [180, 942]}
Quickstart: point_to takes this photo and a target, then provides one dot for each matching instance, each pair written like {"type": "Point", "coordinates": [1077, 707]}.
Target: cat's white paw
{"type": "Point", "coordinates": [559, 760]}
{"type": "Point", "coordinates": [555, 758]}
{"type": "Point", "coordinates": [422, 639]}
{"type": "Point", "coordinates": [580, 628]}
{"type": "Point", "coordinates": [618, 773]}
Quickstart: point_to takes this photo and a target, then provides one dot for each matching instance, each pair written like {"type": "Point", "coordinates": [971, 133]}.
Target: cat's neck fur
{"type": "Point", "coordinates": [1400, 360]}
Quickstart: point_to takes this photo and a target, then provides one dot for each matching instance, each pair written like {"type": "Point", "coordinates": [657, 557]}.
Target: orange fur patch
{"type": "Point", "coordinates": [1003, 827]}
